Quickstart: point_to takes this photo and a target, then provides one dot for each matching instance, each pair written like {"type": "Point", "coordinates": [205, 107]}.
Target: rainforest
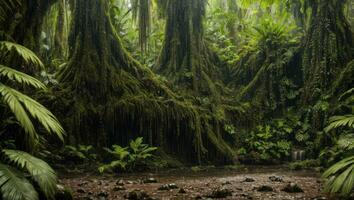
{"type": "Point", "coordinates": [176, 99]}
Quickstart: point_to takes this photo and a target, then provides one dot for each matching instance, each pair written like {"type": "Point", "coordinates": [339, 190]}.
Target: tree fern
{"type": "Point", "coordinates": [23, 107]}
{"type": "Point", "coordinates": [14, 185]}
{"type": "Point", "coordinates": [39, 170]}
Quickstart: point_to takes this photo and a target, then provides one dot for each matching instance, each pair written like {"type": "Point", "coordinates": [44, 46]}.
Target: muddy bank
{"type": "Point", "coordinates": [248, 183]}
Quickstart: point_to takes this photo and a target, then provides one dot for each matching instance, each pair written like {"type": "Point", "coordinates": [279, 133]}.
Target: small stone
{"type": "Point", "coordinates": [292, 188]}
{"type": "Point", "coordinates": [63, 193]}
{"type": "Point", "coordinates": [221, 193]}
{"type": "Point", "coordinates": [226, 183]}
{"type": "Point", "coordinates": [120, 182]}
{"type": "Point", "coordinates": [248, 179]}
{"type": "Point", "coordinates": [319, 198]}
{"type": "Point", "coordinates": [265, 188]}
{"type": "Point", "coordinates": [119, 188]}
{"type": "Point", "coordinates": [82, 183]}
{"type": "Point", "coordinates": [170, 186]}
{"type": "Point", "coordinates": [137, 195]}
{"type": "Point", "coordinates": [150, 180]}
{"type": "Point", "coordinates": [182, 191]}
{"type": "Point", "coordinates": [103, 194]}
{"type": "Point", "coordinates": [80, 190]}
{"type": "Point", "coordinates": [276, 178]}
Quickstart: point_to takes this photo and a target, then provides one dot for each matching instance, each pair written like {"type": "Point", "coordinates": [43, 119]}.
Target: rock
{"type": "Point", "coordinates": [226, 183]}
{"type": "Point", "coordinates": [137, 195]}
{"type": "Point", "coordinates": [82, 183]}
{"type": "Point", "coordinates": [182, 191]}
{"type": "Point", "coordinates": [170, 186]}
{"type": "Point", "coordinates": [248, 179]}
{"type": "Point", "coordinates": [220, 193]}
{"type": "Point", "coordinates": [292, 188]}
{"type": "Point", "coordinates": [276, 178]}
{"type": "Point", "coordinates": [63, 193]}
{"type": "Point", "coordinates": [150, 180]}
{"type": "Point", "coordinates": [80, 190]}
{"type": "Point", "coordinates": [103, 194]}
{"type": "Point", "coordinates": [119, 188]}
{"type": "Point", "coordinates": [120, 182]}
{"type": "Point", "coordinates": [319, 198]}
{"type": "Point", "coordinates": [265, 188]}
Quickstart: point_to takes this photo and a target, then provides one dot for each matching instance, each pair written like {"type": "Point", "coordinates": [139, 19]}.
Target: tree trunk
{"type": "Point", "coordinates": [327, 48]}
{"type": "Point", "coordinates": [185, 59]}
{"type": "Point", "coordinates": [115, 99]}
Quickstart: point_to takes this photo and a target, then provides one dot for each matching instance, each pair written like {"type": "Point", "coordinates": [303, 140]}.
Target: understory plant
{"type": "Point", "coordinates": [267, 144]}
{"type": "Point", "coordinates": [128, 158]}
{"type": "Point", "coordinates": [340, 176]}
{"type": "Point", "coordinates": [23, 176]}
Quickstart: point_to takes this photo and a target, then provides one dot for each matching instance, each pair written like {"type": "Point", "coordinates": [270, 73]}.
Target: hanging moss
{"type": "Point", "coordinates": [327, 48]}
{"type": "Point", "coordinates": [115, 99]}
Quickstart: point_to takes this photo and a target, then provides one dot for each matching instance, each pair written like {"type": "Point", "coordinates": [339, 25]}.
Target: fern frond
{"type": "Point", "coordinates": [340, 121]}
{"type": "Point", "coordinates": [14, 186]}
{"type": "Point", "coordinates": [18, 102]}
{"type": "Point", "coordinates": [341, 177]}
{"type": "Point", "coordinates": [39, 170]}
{"type": "Point", "coordinates": [27, 55]}
{"type": "Point", "coordinates": [20, 77]}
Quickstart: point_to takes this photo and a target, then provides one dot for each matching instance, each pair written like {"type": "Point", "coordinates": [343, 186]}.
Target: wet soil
{"type": "Point", "coordinates": [204, 184]}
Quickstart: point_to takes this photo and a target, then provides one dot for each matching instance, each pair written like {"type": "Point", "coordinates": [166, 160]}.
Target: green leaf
{"type": "Point", "coordinates": [21, 104]}
{"type": "Point", "coordinates": [24, 52]}
{"type": "Point", "coordinates": [20, 77]}
{"type": "Point", "coordinates": [14, 186]}
{"type": "Point", "coordinates": [39, 170]}
{"type": "Point", "coordinates": [340, 121]}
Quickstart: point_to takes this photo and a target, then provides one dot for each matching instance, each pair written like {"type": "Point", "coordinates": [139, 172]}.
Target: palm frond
{"type": "Point", "coordinates": [25, 53]}
{"type": "Point", "coordinates": [340, 121]}
{"type": "Point", "coordinates": [14, 186]}
{"type": "Point", "coordinates": [39, 170]}
{"type": "Point", "coordinates": [18, 102]}
{"type": "Point", "coordinates": [341, 177]}
{"type": "Point", "coordinates": [20, 77]}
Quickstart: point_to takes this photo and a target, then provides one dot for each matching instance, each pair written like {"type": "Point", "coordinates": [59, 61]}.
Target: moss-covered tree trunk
{"type": "Point", "coordinates": [112, 99]}
{"type": "Point", "coordinates": [185, 58]}
{"type": "Point", "coordinates": [23, 21]}
{"type": "Point", "coordinates": [328, 48]}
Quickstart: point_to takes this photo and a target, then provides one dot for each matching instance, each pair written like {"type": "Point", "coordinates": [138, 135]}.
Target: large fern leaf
{"type": "Point", "coordinates": [40, 171]}
{"type": "Point", "coordinates": [340, 121]}
{"type": "Point", "coordinates": [20, 77]}
{"type": "Point", "coordinates": [20, 103]}
{"type": "Point", "coordinates": [341, 177]}
{"type": "Point", "coordinates": [14, 186]}
{"type": "Point", "coordinates": [25, 53]}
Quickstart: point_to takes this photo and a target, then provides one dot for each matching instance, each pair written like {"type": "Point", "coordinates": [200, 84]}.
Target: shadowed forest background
{"type": "Point", "coordinates": [131, 86]}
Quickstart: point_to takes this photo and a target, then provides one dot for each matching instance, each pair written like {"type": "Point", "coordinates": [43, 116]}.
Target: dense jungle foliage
{"type": "Point", "coordinates": [132, 85]}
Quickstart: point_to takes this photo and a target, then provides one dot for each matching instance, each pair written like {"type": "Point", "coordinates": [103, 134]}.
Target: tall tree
{"type": "Point", "coordinates": [115, 99]}
{"type": "Point", "coordinates": [328, 47]}
{"type": "Point", "coordinates": [22, 20]}
{"type": "Point", "coordinates": [185, 58]}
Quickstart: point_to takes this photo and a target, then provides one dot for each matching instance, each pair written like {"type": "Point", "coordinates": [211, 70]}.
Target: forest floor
{"type": "Point", "coordinates": [216, 183]}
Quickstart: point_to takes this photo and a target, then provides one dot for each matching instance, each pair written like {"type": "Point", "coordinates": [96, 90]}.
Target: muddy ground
{"type": "Point", "coordinates": [257, 183]}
